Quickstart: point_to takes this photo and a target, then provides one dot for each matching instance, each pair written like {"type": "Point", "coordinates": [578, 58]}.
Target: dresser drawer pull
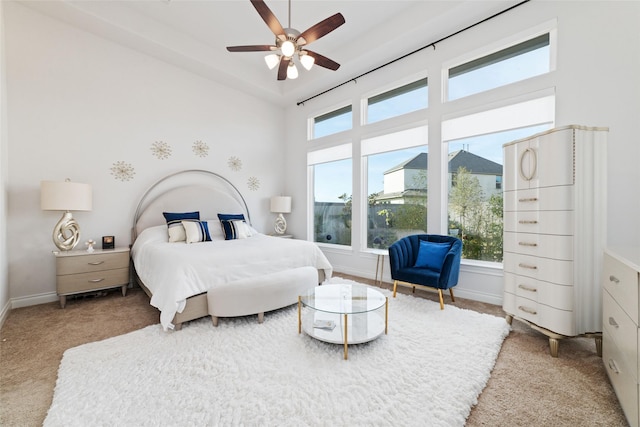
{"type": "Point", "coordinates": [96, 280]}
{"type": "Point", "coordinates": [614, 279]}
{"type": "Point", "coordinates": [528, 244]}
{"type": "Point", "coordinates": [613, 322]}
{"type": "Point", "coordinates": [96, 263]}
{"type": "Point", "coordinates": [527, 288]}
{"type": "Point", "coordinates": [530, 267]}
{"type": "Point", "coordinates": [527, 310]}
{"type": "Point", "coordinates": [613, 367]}
{"type": "Point", "coordinates": [525, 221]}
{"type": "Point", "coordinates": [528, 199]}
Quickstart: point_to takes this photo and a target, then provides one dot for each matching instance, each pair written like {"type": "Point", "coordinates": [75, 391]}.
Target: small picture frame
{"type": "Point", "coordinates": [108, 242]}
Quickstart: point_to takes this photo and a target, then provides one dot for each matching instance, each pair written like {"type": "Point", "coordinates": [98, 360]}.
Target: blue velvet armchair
{"type": "Point", "coordinates": [429, 260]}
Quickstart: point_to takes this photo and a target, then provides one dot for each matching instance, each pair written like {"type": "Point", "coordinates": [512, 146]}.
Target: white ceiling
{"type": "Point", "coordinates": [193, 34]}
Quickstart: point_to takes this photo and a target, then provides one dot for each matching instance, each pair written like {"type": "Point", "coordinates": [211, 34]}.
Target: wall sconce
{"type": "Point", "coordinates": [280, 205]}
{"type": "Point", "coordinates": [65, 196]}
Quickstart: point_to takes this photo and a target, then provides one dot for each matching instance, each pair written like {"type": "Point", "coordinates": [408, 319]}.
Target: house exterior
{"type": "Point", "coordinates": [408, 180]}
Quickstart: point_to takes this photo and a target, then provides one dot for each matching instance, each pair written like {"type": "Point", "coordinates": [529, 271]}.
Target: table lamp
{"type": "Point", "coordinates": [280, 205]}
{"type": "Point", "coordinates": [65, 196]}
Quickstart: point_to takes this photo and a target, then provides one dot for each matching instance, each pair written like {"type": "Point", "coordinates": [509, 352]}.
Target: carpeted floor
{"type": "Point", "coordinates": [527, 387]}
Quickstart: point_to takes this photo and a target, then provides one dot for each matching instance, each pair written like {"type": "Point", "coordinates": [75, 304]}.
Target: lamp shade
{"type": "Point", "coordinates": [281, 204]}
{"type": "Point", "coordinates": [65, 196]}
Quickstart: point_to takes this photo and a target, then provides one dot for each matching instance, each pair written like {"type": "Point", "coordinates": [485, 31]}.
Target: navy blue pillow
{"type": "Point", "coordinates": [431, 255]}
{"type": "Point", "coordinates": [227, 225]}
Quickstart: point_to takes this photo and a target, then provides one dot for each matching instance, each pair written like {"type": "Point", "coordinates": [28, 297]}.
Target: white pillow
{"type": "Point", "coordinates": [242, 229]}
{"type": "Point", "coordinates": [196, 231]}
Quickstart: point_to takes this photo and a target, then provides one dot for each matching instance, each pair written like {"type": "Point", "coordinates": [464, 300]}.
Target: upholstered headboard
{"type": "Point", "coordinates": [187, 191]}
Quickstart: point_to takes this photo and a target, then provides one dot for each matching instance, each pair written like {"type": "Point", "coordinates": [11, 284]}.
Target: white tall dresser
{"type": "Point", "coordinates": [555, 232]}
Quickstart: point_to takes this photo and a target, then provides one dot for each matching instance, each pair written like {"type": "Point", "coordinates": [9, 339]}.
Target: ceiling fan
{"type": "Point", "coordinates": [291, 43]}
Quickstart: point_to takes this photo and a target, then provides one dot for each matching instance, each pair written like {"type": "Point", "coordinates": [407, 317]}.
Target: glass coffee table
{"type": "Point", "coordinates": [343, 314]}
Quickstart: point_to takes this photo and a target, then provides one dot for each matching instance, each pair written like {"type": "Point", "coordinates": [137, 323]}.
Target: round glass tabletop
{"type": "Point", "coordinates": [343, 298]}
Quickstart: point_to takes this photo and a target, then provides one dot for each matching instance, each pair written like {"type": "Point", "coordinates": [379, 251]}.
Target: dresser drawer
{"type": "Point", "coordinates": [539, 199]}
{"type": "Point", "coordinates": [543, 222]}
{"type": "Point", "coordinates": [82, 282]}
{"type": "Point", "coordinates": [559, 321]}
{"type": "Point", "coordinates": [545, 269]}
{"type": "Point", "coordinates": [621, 282]}
{"type": "Point", "coordinates": [621, 329]}
{"type": "Point", "coordinates": [622, 377]}
{"type": "Point", "coordinates": [91, 262]}
{"type": "Point", "coordinates": [540, 245]}
{"type": "Point", "coordinates": [551, 294]}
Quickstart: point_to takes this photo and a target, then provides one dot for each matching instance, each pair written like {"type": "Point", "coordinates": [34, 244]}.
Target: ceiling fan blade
{"type": "Point", "coordinates": [321, 29]}
{"type": "Point", "coordinates": [269, 18]}
{"type": "Point", "coordinates": [282, 70]}
{"type": "Point", "coordinates": [251, 48]}
{"type": "Point", "coordinates": [323, 61]}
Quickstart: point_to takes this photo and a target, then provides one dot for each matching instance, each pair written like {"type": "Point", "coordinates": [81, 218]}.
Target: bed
{"type": "Point", "coordinates": [177, 276]}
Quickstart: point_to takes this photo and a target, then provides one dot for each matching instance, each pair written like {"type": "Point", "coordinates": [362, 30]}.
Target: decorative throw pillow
{"type": "Point", "coordinates": [196, 231]}
{"type": "Point", "coordinates": [225, 222]}
{"type": "Point", "coordinates": [235, 229]}
{"type": "Point", "coordinates": [431, 255]}
{"type": "Point", "coordinates": [174, 224]}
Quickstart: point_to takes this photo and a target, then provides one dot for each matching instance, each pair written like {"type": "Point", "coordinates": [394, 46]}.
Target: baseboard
{"type": "Point", "coordinates": [34, 300]}
{"type": "Point", "coordinates": [470, 285]}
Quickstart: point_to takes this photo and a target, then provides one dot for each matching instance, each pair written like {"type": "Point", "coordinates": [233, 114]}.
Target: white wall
{"type": "Point", "coordinates": [596, 83]}
{"type": "Point", "coordinates": [78, 103]}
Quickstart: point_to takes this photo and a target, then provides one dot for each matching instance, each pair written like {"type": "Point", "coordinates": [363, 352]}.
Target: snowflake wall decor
{"type": "Point", "coordinates": [161, 150]}
{"type": "Point", "coordinates": [122, 171]}
{"type": "Point", "coordinates": [235, 164]}
{"type": "Point", "coordinates": [200, 149]}
{"type": "Point", "coordinates": [253, 183]}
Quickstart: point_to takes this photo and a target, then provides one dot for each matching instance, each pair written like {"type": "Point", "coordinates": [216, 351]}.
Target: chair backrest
{"type": "Point", "coordinates": [404, 252]}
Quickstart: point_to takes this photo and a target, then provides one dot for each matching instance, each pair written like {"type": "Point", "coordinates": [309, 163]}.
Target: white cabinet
{"type": "Point", "coordinates": [554, 231]}
{"type": "Point", "coordinates": [620, 332]}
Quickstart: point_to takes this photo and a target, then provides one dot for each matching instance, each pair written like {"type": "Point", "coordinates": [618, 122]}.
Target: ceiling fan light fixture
{"type": "Point", "coordinates": [288, 48]}
{"type": "Point", "coordinates": [272, 60]}
{"type": "Point", "coordinates": [292, 71]}
{"type": "Point", "coordinates": [307, 61]}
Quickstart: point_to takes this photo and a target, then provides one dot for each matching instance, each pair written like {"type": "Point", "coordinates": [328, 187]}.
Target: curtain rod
{"type": "Point", "coordinates": [414, 51]}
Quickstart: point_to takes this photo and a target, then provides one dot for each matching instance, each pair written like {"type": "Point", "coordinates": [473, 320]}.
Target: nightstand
{"type": "Point", "coordinates": [282, 236]}
{"type": "Point", "coordinates": [82, 271]}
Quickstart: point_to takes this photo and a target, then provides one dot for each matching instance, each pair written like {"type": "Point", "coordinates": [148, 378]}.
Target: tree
{"type": "Point", "coordinates": [466, 198]}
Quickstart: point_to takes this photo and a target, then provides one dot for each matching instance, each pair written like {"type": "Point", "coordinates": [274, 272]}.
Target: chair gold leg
{"type": "Point", "coordinates": [441, 299]}
{"type": "Point", "coordinates": [395, 286]}
{"type": "Point", "coordinates": [452, 297]}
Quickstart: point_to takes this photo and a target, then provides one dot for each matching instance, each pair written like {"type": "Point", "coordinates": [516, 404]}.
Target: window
{"type": "Point", "coordinates": [404, 99]}
{"type": "Point", "coordinates": [396, 166]}
{"type": "Point", "coordinates": [518, 62]}
{"type": "Point", "coordinates": [475, 209]}
{"type": "Point", "coordinates": [333, 122]}
{"type": "Point", "coordinates": [331, 171]}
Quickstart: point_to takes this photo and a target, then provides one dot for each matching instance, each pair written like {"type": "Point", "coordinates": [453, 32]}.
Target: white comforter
{"type": "Point", "coordinates": [174, 272]}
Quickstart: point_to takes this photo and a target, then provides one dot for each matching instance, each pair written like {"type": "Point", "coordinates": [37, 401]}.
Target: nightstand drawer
{"type": "Point", "coordinates": [621, 281]}
{"type": "Point", "coordinates": [82, 282]}
{"type": "Point", "coordinates": [92, 262]}
{"type": "Point", "coordinates": [622, 379]}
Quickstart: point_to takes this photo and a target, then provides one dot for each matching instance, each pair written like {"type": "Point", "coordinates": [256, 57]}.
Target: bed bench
{"type": "Point", "coordinates": [257, 295]}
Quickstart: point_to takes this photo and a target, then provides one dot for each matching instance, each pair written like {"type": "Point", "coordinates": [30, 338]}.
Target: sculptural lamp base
{"type": "Point", "coordinates": [281, 224]}
{"type": "Point", "coordinates": [66, 233]}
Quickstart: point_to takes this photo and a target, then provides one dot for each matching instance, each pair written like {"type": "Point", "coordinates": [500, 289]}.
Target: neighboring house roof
{"type": "Point", "coordinates": [461, 158]}
{"type": "Point", "coordinates": [475, 164]}
{"type": "Point", "coordinates": [417, 162]}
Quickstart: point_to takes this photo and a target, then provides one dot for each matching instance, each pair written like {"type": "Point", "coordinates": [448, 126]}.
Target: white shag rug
{"type": "Point", "coordinates": [429, 370]}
